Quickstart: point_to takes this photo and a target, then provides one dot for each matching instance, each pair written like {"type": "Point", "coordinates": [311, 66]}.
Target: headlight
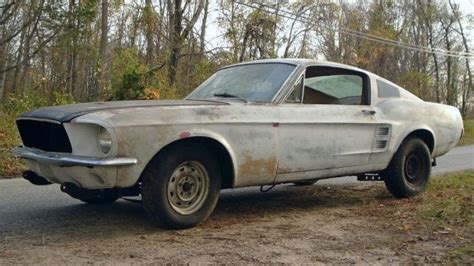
{"type": "Point", "coordinates": [105, 140]}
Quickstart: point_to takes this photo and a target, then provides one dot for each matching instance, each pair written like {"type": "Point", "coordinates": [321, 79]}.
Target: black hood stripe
{"type": "Point", "coordinates": [66, 113]}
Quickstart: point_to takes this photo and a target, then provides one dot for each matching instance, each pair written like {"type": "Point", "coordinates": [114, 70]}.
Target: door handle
{"type": "Point", "coordinates": [369, 112]}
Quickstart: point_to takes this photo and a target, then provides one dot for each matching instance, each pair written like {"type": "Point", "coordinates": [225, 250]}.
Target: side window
{"type": "Point", "coordinates": [331, 85]}
{"type": "Point", "coordinates": [385, 90]}
{"type": "Point", "coordinates": [297, 94]}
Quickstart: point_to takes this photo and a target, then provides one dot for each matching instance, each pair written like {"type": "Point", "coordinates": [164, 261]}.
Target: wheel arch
{"type": "Point", "coordinates": [425, 134]}
{"type": "Point", "coordinates": [219, 148]}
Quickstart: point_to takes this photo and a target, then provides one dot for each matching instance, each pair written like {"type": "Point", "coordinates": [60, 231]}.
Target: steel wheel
{"type": "Point", "coordinates": [409, 171]}
{"type": "Point", "coordinates": [181, 186]}
{"type": "Point", "coordinates": [188, 187]}
{"type": "Point", "coordinates": [414, 168]}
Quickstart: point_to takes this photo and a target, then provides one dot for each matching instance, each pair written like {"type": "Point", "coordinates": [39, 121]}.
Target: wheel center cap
{"type": "Point", "coordinates": [187, 186]}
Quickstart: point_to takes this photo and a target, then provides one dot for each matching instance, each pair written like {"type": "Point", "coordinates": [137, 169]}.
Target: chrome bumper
{"type": "Point", "coordinates": [68, 160]}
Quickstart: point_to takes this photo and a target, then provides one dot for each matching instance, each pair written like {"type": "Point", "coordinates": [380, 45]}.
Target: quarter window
{"type": "Point", "coordinates": [297, 93]}
{"type": "Point", "coordinates": [385, 90]}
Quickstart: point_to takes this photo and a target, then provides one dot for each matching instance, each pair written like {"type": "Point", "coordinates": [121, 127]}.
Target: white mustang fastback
{"type": "Point", "coordinates": [263, 122]}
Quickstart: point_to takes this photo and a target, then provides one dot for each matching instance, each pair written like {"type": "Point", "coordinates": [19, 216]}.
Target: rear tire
{"type": "Point", "coordinates": [181, 188]}
{"type": "Point", "coordinates": [409, 171]}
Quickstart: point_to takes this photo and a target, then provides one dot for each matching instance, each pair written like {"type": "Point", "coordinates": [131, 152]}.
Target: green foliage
{"type": "Point", "coordinates": [9, 138]}
{"type": "Point", "coordinates": [127, 72]}
{"type": "Point", "coordinates": [131, 88]}
{"type": "Point", "coordinates": [201, 71]}
{"type": "Point", "coordinates": [449, 200]}
{"type": "Point", "coordinates": [415, 82]}
{"type": "Point", "coordinates": [15, 105]}
{"type": "Point", "coordinates": [62, 98]}
{"type": "Point", "coordinates": [468, 137]}
{"type": "Point", "coordinates": [9, 165]}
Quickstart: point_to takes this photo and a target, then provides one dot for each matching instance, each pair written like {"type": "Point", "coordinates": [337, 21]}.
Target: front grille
{"type": "Point", "coordinates": [45, 136]}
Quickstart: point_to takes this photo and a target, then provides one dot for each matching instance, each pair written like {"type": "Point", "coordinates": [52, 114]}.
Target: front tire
{"type": "Point", "coordinates": [181, 187]}
{"type": "Point", "coordinates": [410, 169]}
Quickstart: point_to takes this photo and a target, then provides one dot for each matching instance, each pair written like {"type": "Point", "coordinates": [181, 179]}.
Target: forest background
{"type": "Point", "coordinates": [58, 52]}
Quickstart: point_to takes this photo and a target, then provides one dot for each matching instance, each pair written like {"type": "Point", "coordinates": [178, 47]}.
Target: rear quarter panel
{"type": "Point", "coordinates": [406, 116]}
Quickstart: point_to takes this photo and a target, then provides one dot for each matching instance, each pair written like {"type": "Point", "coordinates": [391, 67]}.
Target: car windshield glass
{"type": "Point", "coordinates": [253, 82]}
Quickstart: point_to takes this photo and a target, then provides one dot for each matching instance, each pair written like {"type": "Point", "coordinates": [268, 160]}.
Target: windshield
{"type": "Point", "coordinates": [253, 82]}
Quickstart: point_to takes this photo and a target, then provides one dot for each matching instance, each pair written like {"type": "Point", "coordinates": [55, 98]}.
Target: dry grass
{"type": "Point", "coordinates": [468, 137]}
{"type": "Point", "coordinates": [445, 212]}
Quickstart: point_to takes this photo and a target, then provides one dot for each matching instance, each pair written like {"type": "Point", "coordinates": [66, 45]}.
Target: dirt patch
{"type": "Point", "coordinates": [314, 224]}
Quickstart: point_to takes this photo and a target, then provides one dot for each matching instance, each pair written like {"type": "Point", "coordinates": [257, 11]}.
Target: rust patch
{"type": "Point", "coordinates": [258, 167]}
{"type": "Point", "coordinates": [184, 134]}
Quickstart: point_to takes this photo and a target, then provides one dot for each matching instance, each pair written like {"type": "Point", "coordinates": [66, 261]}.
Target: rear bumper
{"type": "Point", "coordinates": [69, 160]}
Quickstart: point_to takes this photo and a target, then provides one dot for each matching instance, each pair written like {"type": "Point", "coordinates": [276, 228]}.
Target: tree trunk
{"type": "Point", "coordinates": [178, 34]}
{"type": "Point", "coordinates": [290, 39]}
{"type": "Point", "coordinates": [101, 77]}
{"type": "Point", "coordinates": [467, 92]}
{"type": "Point", "coordinates": [148, 14]}
{"type": "Point", "coordinates": [450, 89]}
{"type": "Point", "coordinates": [244, 43]}
{"type": "Point", "coordinates": [435, 60]}
{"type": "Point", "coordinates": [175, 20]}
{"type": "Point", "coordinates": [202, 38]}
{"type": "Point", "coordinates": [19, 56]}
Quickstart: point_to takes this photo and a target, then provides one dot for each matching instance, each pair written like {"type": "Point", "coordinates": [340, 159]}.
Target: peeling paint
{"type": "Point", "coordinates": [267, 142]}
{"type": "Point", "coordinates": [184, 134]}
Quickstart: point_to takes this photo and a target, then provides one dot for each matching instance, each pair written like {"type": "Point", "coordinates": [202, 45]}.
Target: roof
{"type": "Point", "coordinates": [302, 62]}
{"type": "Point", "coordinates": [309, 62]}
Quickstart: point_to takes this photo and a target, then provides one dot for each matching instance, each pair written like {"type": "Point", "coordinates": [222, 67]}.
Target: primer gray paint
{"type": "Point", "coordinates": [267, 143]}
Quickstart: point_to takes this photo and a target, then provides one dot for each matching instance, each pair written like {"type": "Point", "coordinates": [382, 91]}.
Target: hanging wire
{"type": "Point", "coordinates": [359, 34]}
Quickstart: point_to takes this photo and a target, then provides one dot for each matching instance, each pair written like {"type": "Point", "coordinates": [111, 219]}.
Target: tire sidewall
{"type": "Point", "coordinates": [394, 176]}
{"type": "Point", "coordinates": [416, 145]}
{"type": "Point", "coordinates": [155, 183]}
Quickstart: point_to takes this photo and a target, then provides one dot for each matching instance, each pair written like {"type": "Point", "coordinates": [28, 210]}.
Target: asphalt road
{"type": "Point", "coordinates": [28, 208]}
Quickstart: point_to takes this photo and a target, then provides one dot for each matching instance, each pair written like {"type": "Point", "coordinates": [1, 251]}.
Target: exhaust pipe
{"type": "Point", "coordinates": [35, 179]}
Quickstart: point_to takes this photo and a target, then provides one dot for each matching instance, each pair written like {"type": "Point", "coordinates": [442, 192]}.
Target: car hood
{"type": "Point", "coordinates": [66, 113]}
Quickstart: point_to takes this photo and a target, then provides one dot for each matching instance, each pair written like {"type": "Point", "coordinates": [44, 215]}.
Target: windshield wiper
{"type": "Point", "coordinates": [228, 95]}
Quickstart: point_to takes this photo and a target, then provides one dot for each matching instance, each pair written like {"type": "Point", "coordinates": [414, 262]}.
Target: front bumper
{"type": "Point", "coordinates": [69, 160]}
{"type": "Point", "coordinates": [85, 171]}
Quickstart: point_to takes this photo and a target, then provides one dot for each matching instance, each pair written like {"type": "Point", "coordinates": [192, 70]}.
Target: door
{"type": "Point", "coordinates": [326, 122]}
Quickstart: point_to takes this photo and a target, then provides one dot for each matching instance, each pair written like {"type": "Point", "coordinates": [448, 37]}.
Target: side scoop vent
{"type": "Point", "coordinates": [380, 144]}
{"type": "Point", "coordinates": [382, 138]}
{"type": "Point", "coordinates": [383, 131]}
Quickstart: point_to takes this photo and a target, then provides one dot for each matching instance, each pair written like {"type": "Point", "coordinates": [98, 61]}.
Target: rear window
{"type": "Point", "coordinates": [386, 90]}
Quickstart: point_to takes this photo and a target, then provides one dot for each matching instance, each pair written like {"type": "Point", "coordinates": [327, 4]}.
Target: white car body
{"type": "Point", "coordinates": [257, 143]}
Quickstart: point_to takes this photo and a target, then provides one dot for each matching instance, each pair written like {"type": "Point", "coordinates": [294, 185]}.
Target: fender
{"type": "Point", "coordinates": [192, 133]}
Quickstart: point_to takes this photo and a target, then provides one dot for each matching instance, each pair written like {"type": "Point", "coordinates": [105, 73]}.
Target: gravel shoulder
{"type": "Point", "coordinates": [323, 223]}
